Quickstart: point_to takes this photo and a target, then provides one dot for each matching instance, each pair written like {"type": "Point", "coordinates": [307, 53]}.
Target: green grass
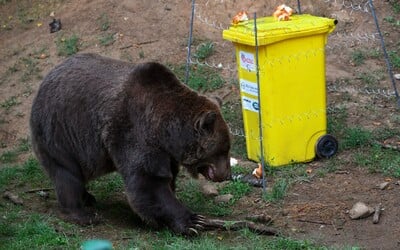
{"type": "Point", "coordinates": [30, 69]}
{"type": "Point", "coordinates": [236, 188]}
{"type": "Point", "coordinates": [106, 186]}
{"type": "Point", "coordinates": [215, 241]}
{"type": "Point", "coordinates": [204, 50]}
{"type": "Point", "coordinates": [379, 160]}
{"type": "Point", "coordinates": [371, 79]}
{"type": "Point", "coordinates": [11, 156]}
{"type": "Point", "coordinates": [396, 6]}
{"type": "Point", "coordinates": [9, 103]}
{"type": "Point", "coordinates": [358, 57]}
{"type": "Point", "coordinates": [278, 190]}
{"type": "Point", "coordinates": [356, 138]}
{"type": "Point", "coordinates": [394, 59]}
{"type": "Point", "coordinates": [67, 46]}
{"type": "Point", "coordinates": [21, 174]}
{"type": "Point", "coordinates": [107, 39]}
{"type": "Point", "coordinates": [104, 22]}
{"type": "Point", "coordinates": [8, 157]}
{"type": "Point", "coordinates": [201, 78]}
{"type": "Point", "coordinates": [20, 230]}
{"type": "Point", "coordinates": [189, 193]}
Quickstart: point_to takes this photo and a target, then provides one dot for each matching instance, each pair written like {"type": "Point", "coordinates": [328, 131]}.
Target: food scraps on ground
{"type": "Point", "coordinates": [257, 172]}
{"type": "Point", "coordinates": [283, 12]}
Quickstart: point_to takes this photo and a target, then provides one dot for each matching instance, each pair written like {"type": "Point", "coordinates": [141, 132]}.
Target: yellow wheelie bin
{"type": "Point", "coordinates": [289, 94]}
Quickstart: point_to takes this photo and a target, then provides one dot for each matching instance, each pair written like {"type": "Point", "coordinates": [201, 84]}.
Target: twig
{"type": "Point", "coordinates": [342, 172]}
{"type": "Point", "coordinates": [13, 198]}
{"type": "Point", "coordinates": [378, 210]}
{"type": "Point", "coordinates": [314, 222]}
{"type": "Point", "coordinates": [138, 44]}
{"type": "Point", "coordinates": [211, 224]}
{"type": "Point", "coordinates": [38, 189]}
{"type": "Point", "coordinates": [397, 148]}
{"type": "Point", "coordinates": [261, 218]}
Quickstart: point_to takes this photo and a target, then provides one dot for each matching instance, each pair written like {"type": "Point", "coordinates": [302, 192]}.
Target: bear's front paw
{"type": "Point", "coordinates": [192, 225]}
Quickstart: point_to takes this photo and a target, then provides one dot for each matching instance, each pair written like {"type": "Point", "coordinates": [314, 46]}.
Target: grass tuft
{"type": "Point", "coordinates": [67, 46]}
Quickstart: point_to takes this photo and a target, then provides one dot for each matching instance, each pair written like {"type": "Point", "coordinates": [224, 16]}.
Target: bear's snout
{"type": "Point", "coordinates": [218, 171]}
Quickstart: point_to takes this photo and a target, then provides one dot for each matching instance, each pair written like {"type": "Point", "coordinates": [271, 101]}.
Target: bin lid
{"type": "Point", "coordinates": [270, 30]}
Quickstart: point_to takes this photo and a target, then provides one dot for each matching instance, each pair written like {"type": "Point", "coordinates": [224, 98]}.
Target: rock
{"type": "Point", "coordinates": [360, 210]}
{"type": "Point", "coordinates": [224, 198]}
{"type": "Point", "coordinates": [397, 76]}
{"type": "Point", "coordinates": [208, 189]}
{"type": "Point", "coordinates": [383, 185]}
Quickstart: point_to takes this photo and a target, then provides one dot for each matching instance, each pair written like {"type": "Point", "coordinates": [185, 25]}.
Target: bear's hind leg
{"type": "Point", "coordinates": [69, 187]}
{"type": "Point", "coordinates": [72, 197]}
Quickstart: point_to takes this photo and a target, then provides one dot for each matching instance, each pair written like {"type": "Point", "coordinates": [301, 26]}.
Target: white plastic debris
{"type": "Point", "coordinates": [234, 162]}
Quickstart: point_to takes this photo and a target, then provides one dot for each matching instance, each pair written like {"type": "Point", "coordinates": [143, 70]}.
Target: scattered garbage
{"type": "Point", "coordinates": [55, 25]}
{"type": "Point", "coordinates": [233, 161]}
{"type": "Point", "coordinates": [249, 178]}
{"type": "Point", "coordinates": [397, 76]}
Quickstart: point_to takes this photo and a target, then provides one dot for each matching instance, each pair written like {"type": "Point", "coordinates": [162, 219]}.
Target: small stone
{"type": "Point", "coordinates": [397, 76]}
{"type": "Point", "coordinates": [209, 189]}
{"type": "Point", "coordinates": [397, 183]}
{"type": "Point", "coordinates": [360, 210]}
{"type": "Point", "coordinates": [224, 198]}
{"type": "Point", "coordinates": [383, 185]}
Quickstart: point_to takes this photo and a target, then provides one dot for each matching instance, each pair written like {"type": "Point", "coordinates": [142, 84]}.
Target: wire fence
{"type": "Point", "coordinates": [357, 29]}
{"type": "Point", "coordinates": [340, 41]}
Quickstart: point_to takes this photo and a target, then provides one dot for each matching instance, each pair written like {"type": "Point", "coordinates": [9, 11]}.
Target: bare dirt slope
{"type": "Point", "coordinates": [145, 30]}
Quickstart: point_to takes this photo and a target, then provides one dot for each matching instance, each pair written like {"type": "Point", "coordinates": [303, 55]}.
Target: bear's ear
{"type": "Point", "coordinates": [205, 122]}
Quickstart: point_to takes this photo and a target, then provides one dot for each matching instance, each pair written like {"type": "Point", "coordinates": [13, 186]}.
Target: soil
{"type": "Point", "coordinates": [316, 209]}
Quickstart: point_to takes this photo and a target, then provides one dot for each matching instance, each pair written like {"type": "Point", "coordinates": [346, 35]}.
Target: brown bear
{"type": "Point", "coordinates": [93, 115]}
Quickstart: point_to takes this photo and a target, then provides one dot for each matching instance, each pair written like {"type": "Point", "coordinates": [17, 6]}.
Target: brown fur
{"type": "Point", "coordinates": [93, 115]}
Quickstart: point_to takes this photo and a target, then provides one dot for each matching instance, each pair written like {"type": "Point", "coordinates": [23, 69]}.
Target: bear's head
{"type": "Point", "coordinates": [209, 155]}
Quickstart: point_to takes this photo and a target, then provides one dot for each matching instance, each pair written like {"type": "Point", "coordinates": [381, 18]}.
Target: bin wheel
{"type": "Point", "coordinates": [327, 146]}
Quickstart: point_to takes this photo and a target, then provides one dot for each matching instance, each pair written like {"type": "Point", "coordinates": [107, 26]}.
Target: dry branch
{"type": "Point", "coordinates": [314, 222]}
{"type": "Point", "coordinates": [377, 213]}
{"type": "Point", "coordinates": [38, 190]}
{"type": "Point", "coordinates": [211, 224]}
{"type": "Point", "coordinates": [13, 198]}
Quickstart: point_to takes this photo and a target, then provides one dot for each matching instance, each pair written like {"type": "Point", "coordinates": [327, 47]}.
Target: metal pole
{"type": "Point", "coordinates": [298, 6]}
{"type": "Point", "coordinates": [389, 66]}
{"type": "Point", "coordinates": [189, 43]}
{"type": "Point", "coordinates": [259, 107]}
